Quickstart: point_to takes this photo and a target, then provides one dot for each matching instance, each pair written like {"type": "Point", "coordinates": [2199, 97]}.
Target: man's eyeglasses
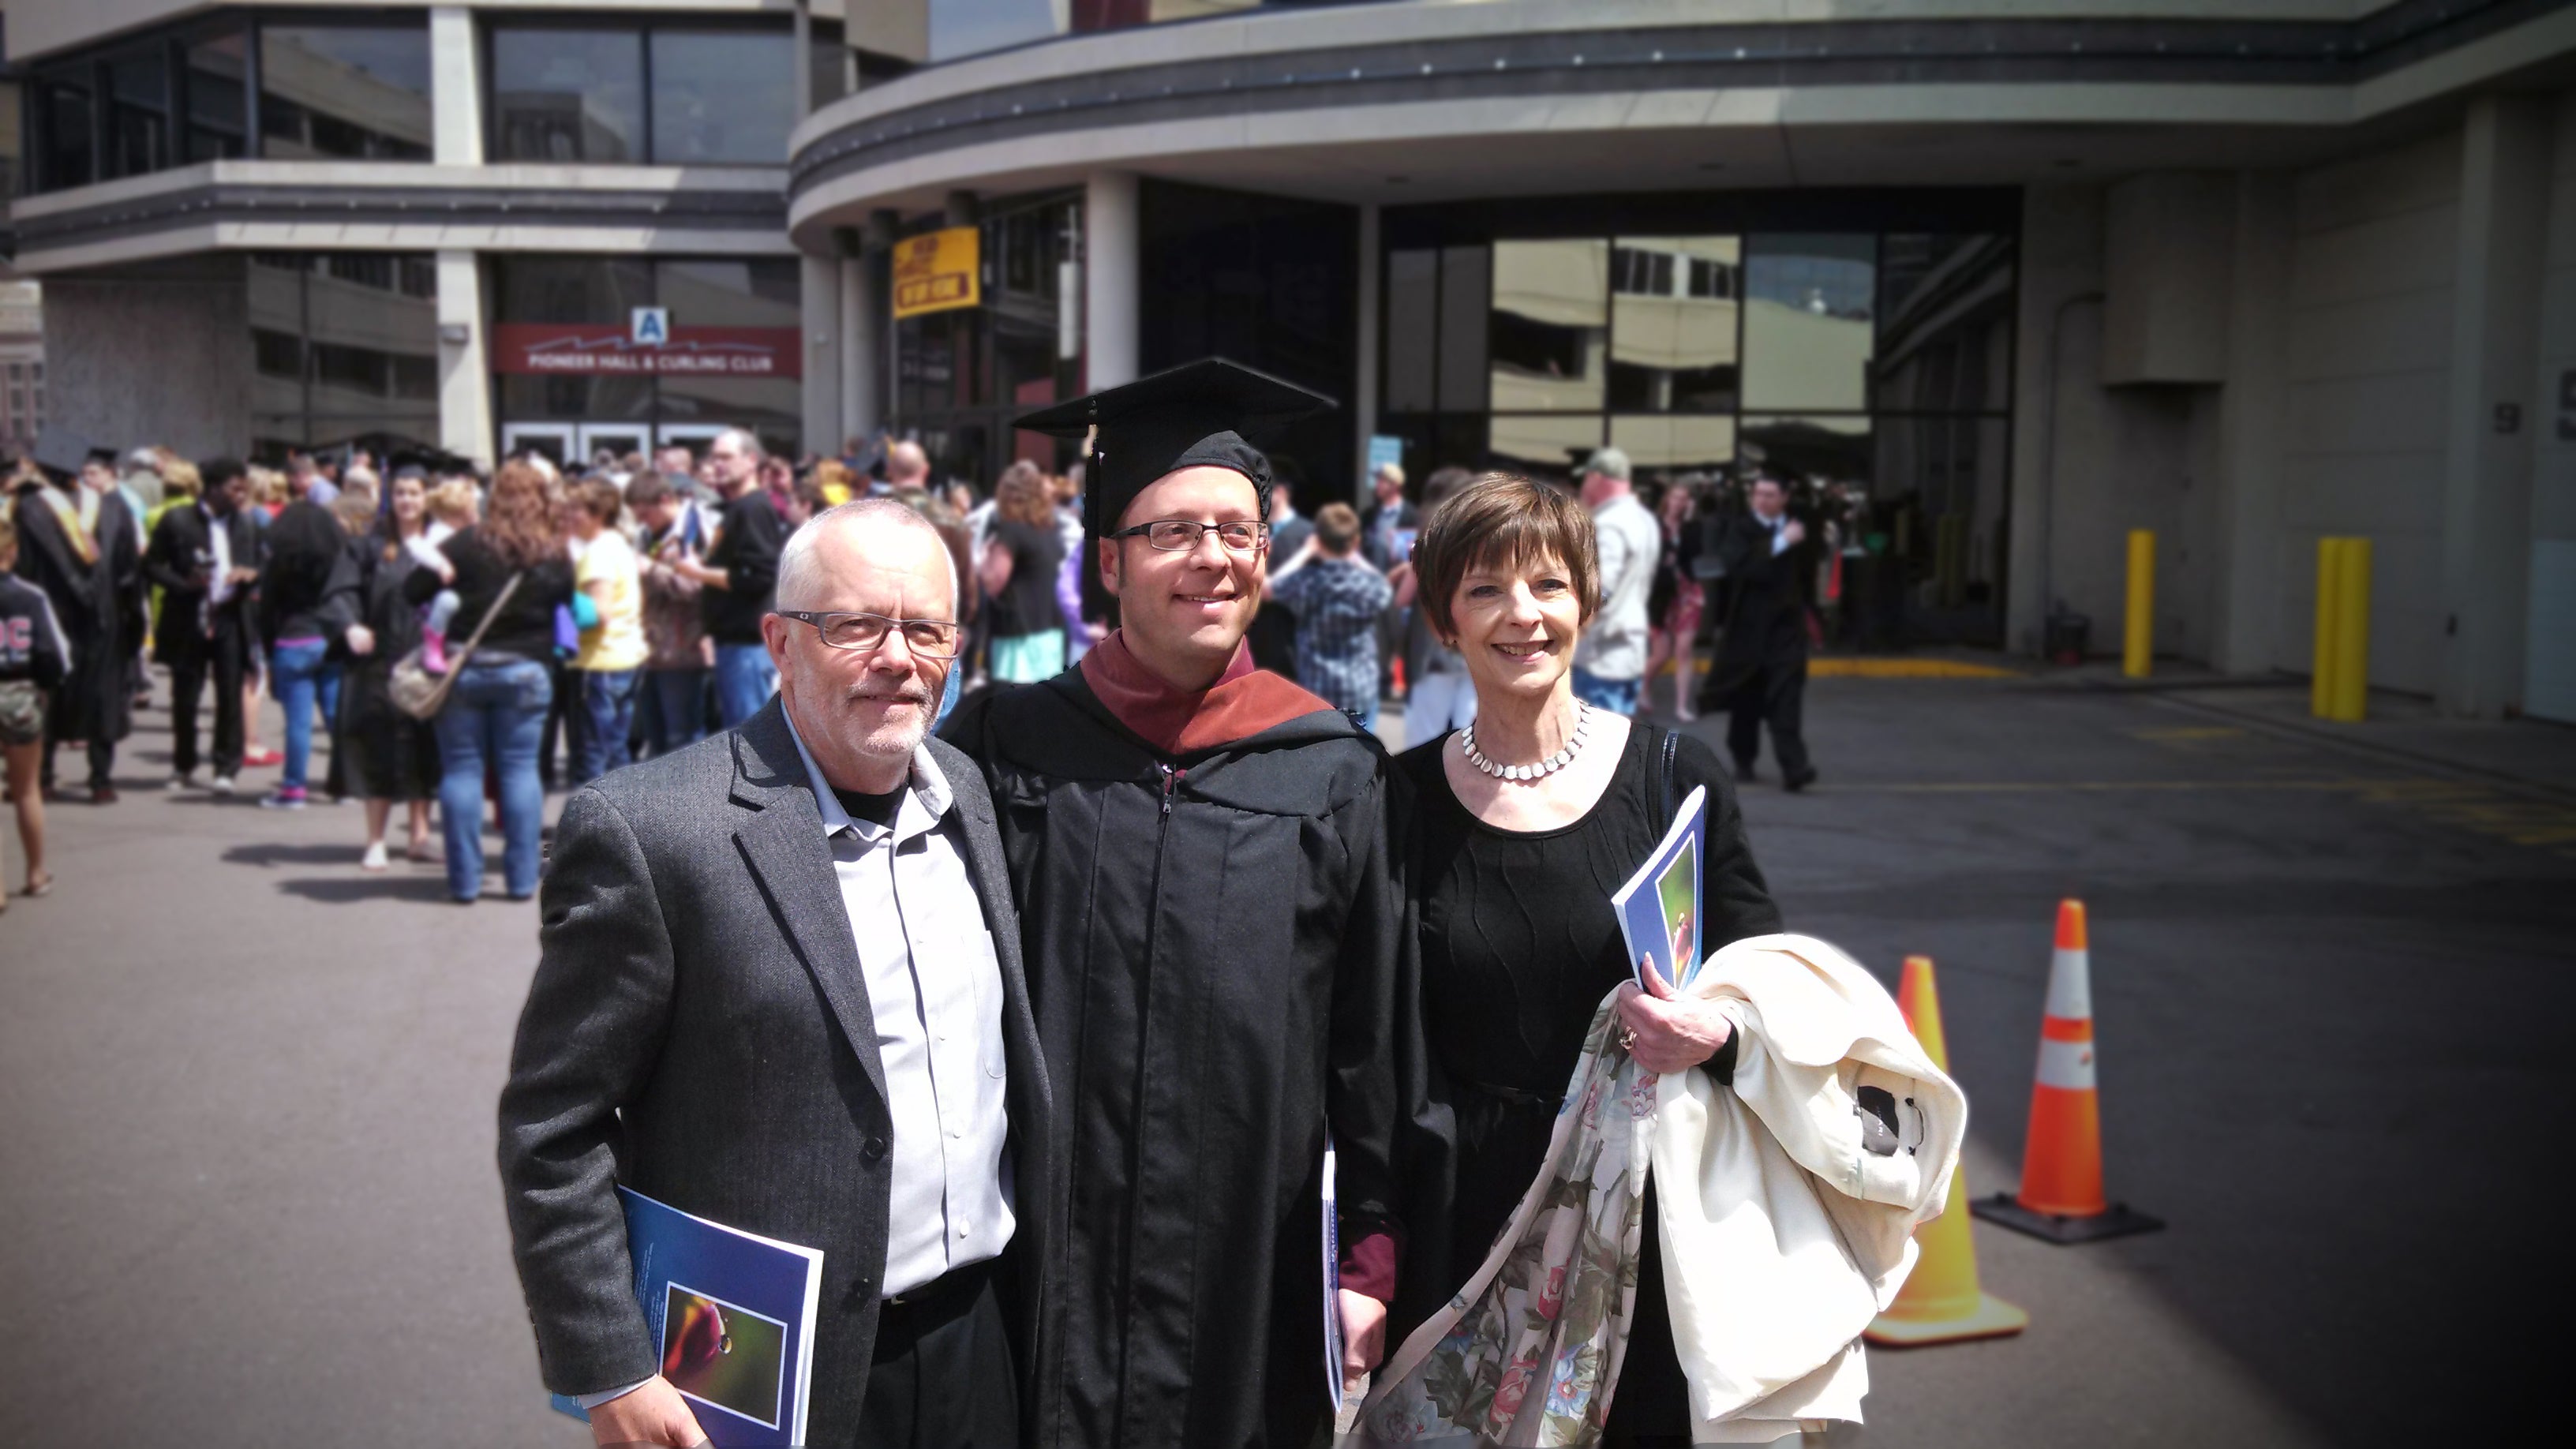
{"type": "Point", "coordinates": [1180, 535]}
{"type": "Point", "coordinates": [929, 638]}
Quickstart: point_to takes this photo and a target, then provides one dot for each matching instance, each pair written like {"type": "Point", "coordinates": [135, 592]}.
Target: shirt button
{"type": "Point", "coordinates": [962, 1229]}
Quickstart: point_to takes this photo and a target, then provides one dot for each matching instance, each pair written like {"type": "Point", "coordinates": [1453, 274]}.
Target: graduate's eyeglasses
{"type": "Point", "coordinates": [1180, 535]}
{"type": "Point", "coordinates": [929, 638]}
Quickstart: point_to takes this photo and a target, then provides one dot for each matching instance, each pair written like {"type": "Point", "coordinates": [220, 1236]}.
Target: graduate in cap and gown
{"type": "Point", "coordinates": [79, 543]}
{"type": "Point", "coordinates": [1209, 896]}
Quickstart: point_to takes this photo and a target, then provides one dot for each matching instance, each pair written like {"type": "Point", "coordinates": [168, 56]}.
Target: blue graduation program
{"type": "Point", "coordinates": [732, 1316]}
{"type": "Point", "coordinates": [1659, 909]}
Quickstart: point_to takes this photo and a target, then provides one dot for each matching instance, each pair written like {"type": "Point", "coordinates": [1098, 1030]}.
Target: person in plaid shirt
{"type": "Point", "coordinates": [1337, 597]}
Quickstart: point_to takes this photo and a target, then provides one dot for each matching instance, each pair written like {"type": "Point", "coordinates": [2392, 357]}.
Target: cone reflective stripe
{"type": "Point", "coordinates": [1941, 1301]}
{"type": "Point", "coordinates": [2062, 1156]}
{"type": "Point", "coordinates": [2061, 1196]}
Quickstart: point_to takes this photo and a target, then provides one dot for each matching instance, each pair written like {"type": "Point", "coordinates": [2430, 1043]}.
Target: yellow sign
{"type": "Point", "coordinates": [938, 271]}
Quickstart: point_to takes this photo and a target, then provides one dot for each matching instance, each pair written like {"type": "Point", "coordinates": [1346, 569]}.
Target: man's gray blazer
{"type": "Point", "coordinates": [699, 1030]}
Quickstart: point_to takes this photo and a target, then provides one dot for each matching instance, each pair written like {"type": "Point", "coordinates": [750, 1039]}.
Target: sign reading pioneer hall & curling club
{"type": "Point", "coordinates": [939, 270]}
{"type": "Point", "coordinates": [649, 344]}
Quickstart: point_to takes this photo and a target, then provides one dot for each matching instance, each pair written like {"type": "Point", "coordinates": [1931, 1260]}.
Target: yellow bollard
{"type": "Point", "coordinates": [2321, 694]}
{"type": "Point", "coordinates": [2352, 632]}
{"type": "Point", "coordinates": [2137, 657]}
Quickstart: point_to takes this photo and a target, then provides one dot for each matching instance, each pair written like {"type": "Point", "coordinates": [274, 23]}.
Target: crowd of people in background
{"type": "Point", "coordinates": [585, 616]}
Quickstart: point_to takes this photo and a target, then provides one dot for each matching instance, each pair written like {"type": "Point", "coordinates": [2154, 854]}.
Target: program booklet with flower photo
{"type": "Point", "coordinates": [732, 1314]}
{"type": "Point", "coordinates": [1659, 907]}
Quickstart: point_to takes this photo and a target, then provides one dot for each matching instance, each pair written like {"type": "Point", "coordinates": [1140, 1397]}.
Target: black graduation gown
{"type": "Point", "coordinates": [1766, 598]}
{"type": "Point", "coordinates": [1218, 964]}
{"type": "Point", "coordinates": [100, 606]}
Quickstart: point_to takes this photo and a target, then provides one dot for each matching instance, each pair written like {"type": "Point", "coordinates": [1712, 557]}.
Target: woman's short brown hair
{"type": "Point", "coordinates": [1502, 520]}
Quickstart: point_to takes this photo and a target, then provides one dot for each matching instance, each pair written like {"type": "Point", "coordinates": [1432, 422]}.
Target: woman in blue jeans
{"type": "Point", "coordinates": [305, 548]}
{"type": "Point", "coordinates": [496, 709]}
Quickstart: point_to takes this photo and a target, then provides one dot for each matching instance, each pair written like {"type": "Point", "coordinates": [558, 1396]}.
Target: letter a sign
{"type": "Point", "coordinates": [652, 326]}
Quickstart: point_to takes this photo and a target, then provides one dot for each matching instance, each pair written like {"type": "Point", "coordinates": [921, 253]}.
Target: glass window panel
{"type": "Point", "coordinates": [1944, 324]}
{"type": "Point", "coordinates": [138, 112]}
{"type": "Point", "coordinates": [757, 292]}
{"type": "Point", "coordinates": [1673, 324]}
{"type": "Point", "coordinates": [567, 95]}
{"type": "Point", "coordinates": [1939, 496]}
{"type": "Point", "coordinates": [70, 148]}
{"type": "Point", "coordinates": [570, 289]}
{"type": "Point", "coordinates": [723, 96]}
{"type": "Point", "coordinates": [1412, 315]}
{"type": "Point", "coordinates": [1808, 308]}
{"type": "Point", "coordinates": [344, 91]}
{"type": "Point", "coordinates": [370, 336]}
{"type": "Point", "coordinates": [1809, 450]}
{"type": "Point", "coordinates": [1548, 446]}
{"type": "Point", "coordinates": [533, 397]}
{"type": "Point", "coordinates": [1466, 291]}
{"type": "Point", "coordinates": [771, 407]}
{"type": "Point", "coordinates": [1683, 443]}
{"type": "Point", "coordinates": [829, 62]}
{"type": "Point", "coordinates": [1550, 334]}
{"type": "Point", "coordinates": [218, 106]}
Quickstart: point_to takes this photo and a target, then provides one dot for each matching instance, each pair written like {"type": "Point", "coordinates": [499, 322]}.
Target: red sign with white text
{"type": "Point", "coordinates": [607, 350]}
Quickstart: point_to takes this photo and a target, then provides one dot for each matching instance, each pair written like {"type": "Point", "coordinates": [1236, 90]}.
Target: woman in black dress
{"type": "Point", "coordinates": [391, 756]}
{"type": "Point", "coordinates": [1525, 824]}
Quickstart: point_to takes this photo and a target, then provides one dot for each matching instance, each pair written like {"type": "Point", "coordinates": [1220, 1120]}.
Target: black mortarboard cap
{"type": "Point", "coordinates": [61, 452]}
{"type": "Point", "coordinates": [1190, 416]}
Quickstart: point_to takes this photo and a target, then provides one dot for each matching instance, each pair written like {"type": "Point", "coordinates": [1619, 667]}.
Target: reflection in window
{"type": "Point", "coordinates": [217, 112]}
{"type": "Point", "coordinates": [1550, 325]}
{"type": "Point", "coordinates": [1939, 494]}
{"type": "Point", "coordinates": [1466, 290]}
{"type": "Point", "coordinates": [138, 112]}
{"type": "Point", "coordinates": [572, 289]}
{"type": "Point", "coordinates": [722, 96]}
{"type": "Point", "coordinates": [1808, 321]}
{"type": "Point", "coordinates": [971, 27]}
{"type": "Point", "coordinates": [1821, 449]}
{"type": "Point", "coordinates": [344, 349]}
{"type": "Point", "coordinates": [1544, 445]}
{"type": "Point", "coordinates": [68, 154]}
{"type": "Point", "coordinates": [344, 91]}
{"type": "Point", "coordinates": [567, 95]}
{"type": "Point", "coordinates": [1673, 324]}
{"type": "Point", "coordinates": [1686, 444]}
{"type": "Point", "coordinates": [1945, 324]}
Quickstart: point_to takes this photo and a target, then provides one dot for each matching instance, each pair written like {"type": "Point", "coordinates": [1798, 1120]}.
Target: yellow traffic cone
{"type": "Point", "coordinates": [1940, 1302]}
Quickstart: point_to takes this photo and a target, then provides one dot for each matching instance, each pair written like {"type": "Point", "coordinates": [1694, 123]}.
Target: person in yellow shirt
{"type": "Point", "coordinates": [611, 660]}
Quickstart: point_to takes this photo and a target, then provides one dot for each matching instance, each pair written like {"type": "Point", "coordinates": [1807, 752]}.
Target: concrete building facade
{"type": "Point", "coordinates": [2023, 274]}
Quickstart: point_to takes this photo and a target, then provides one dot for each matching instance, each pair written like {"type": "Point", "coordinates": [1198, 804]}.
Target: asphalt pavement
{"type": "Point", "coordinates": [249, 1195]}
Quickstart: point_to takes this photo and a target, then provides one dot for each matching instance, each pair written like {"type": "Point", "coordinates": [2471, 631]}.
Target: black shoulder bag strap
{"type": "Point", "coordinates": [1666, 787]}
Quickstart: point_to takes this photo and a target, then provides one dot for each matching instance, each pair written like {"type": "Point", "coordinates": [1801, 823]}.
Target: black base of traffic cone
{"type": "Point", "coordinates": [2116, 1221]}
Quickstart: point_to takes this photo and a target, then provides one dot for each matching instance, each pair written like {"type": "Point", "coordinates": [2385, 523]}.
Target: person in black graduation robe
{"type": "Point", "coordinates": [1206, 872]}
{"type": "Point", "coordinates": [95, 583]}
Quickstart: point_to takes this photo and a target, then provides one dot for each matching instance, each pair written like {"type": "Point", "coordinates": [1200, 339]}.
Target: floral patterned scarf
{"type": "Point", "coordinates": [1528, 1351]}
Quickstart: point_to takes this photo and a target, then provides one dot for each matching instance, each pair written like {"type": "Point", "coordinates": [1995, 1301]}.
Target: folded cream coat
{"type": "Point", "coordinates": [1787, 1207]}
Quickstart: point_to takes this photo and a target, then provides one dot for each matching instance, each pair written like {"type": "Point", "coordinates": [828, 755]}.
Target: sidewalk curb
{"type": "Point", "coordinates": [2374, 749]}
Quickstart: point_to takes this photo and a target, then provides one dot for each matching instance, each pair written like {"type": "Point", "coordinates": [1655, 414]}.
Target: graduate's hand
{"type": "Point", "coordinates": [1668, 1034]}
{"type": "Point", "coordinates": [653, 1414]}
{"type": "Point", "coordinates": [1363, 1335]}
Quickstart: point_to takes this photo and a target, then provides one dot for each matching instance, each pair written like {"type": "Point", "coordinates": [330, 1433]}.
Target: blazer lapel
{"type": "Point", "coordinates": [781, 835]}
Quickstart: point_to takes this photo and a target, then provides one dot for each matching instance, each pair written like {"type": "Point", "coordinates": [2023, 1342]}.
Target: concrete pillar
{"type": "Point", "coordinates": [2491, 413]}
{"type": "Point", "coordinates": [1364, 384]}
{"type": "Point", "coordinates": [455, 88]}
{"type": "Point", "coordinates": [2056, 375]}
{"type": "Point", "coordinates": [862, 346]}
{"type": "Point", "coordinates": [464, 368]}
{"type": "Point", "coordinates": [2251, 573]}
{"type": "Point", "coordinates": [819, 291]}
{"type": "Point", "coordinates": [1112, 239]}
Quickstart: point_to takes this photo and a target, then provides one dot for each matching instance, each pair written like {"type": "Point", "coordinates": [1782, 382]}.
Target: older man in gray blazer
{"type": "Point", "coordinates": [781, 988]}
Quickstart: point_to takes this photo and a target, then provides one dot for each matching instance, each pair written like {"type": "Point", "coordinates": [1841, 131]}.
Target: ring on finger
{"type": "Point", "coordinates": [1627, 1038]}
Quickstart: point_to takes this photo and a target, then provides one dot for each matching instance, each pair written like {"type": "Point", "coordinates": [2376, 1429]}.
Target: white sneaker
{"type": "Point", "coordinates": [223, 785]}
{"type": "Point", "coordinates": [375, 857]}
{"type": "Point", "coordinates": [182, 780]}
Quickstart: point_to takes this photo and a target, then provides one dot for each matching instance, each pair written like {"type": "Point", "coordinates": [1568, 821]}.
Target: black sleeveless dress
{"type": "Point", "coordinates": [1518, 946]}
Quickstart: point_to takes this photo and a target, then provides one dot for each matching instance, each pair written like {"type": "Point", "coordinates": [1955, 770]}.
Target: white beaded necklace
{"type": "Point", "coordinates": [1544, 768]}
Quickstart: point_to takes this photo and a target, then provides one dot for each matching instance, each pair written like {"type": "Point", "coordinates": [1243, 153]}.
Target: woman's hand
{"type": "Point", "coordinates": [1363, 1336]}
{"type": "Point", "coordinates": [1664, 1032]}
{"type": "Point", "coordinates": [360, 639]}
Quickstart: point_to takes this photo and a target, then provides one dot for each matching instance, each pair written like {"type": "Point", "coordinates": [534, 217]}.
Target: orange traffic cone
{"type": "Point", "coordinates": [1940, 1302]}
{"type": "Point", "coordinates": [2061, 1165]}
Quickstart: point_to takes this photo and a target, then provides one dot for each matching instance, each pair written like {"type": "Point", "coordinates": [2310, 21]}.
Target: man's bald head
{"type": "Point", "coordinates": [865, 533]}
{"type": "Point", "coordinates": [907, 466]}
